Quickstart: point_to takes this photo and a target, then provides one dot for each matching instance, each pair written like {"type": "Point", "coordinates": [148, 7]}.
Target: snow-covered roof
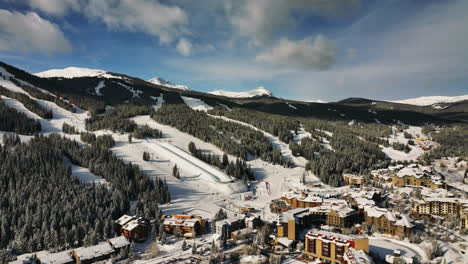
{"type": "Point", "coordinates": [396, 218]}
{"type": "Point", "coordinates": [119, 242]}
{"type": "Point", "coordinates": [124, 219]}
{"type": "Point", "coordinates": [285, 241]}
{"type": "Point", "coordinates": [190, 222]}
{"type": "Point", "coordinates": [57, 258]}
{"type": "Point", "coordinates": [102, 249]}
{"type": "Point", "coordinates": [330, 236]}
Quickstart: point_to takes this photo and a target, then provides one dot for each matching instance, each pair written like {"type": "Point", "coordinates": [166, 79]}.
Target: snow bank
{"type": "Point", "coordinates": [196, 104]}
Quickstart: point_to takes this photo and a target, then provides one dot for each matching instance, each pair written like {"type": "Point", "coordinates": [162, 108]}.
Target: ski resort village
{"type": "Point", "coordinates": [99, 167]}
{"type": "Point", "coordinates": [233, 132]}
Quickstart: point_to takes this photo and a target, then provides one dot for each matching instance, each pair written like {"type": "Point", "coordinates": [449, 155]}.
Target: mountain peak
{"type": "Point", "coordinates": [259, 91]}
{"type": "Point", "coordinates": [71, 72]}
{"type": "Point", "coordinates": [160, 81]}
{"type": "Point", "coordinates": [431, 100]}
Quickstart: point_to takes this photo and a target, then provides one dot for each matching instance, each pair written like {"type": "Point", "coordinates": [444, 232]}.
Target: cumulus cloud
{"type": "Point", "coordinates": [54, 7]}
{"type": "Point", "coordinates": [309, 54]}
{"type": "Point", "coordinates": [30, 32]}
{"type": "Point", "coordinates": [184, 47]}
{"type": "Point", "coordinates": [147, 16]}
{"type": "Point", "coordinates": [262, 19]}
{"type": "Point", "coordinates": [151, 17]}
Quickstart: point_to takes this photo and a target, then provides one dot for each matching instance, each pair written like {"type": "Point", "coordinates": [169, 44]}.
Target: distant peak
{"type": "Point", "coordinates": [259, 91]}
{"type": "Point", "coordinates": [75, 72]}
{"type": "Point", "coordinates": [160, 81]}
{"type": "Point", "coordinates": [431, 100]}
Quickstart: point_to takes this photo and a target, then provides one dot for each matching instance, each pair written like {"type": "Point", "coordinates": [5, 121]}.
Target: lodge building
{"type": "Point", "coordinates": [332, 247]}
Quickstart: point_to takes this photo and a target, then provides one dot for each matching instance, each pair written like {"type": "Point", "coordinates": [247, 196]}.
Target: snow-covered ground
{"type": "Point", "coordinates": [415, 152]}
{"type": "Point", "coordinates": [430, 100]}
{"type": "Point", "coordinates": [162, 82]}
{"type": "Point", "coordinates": [259, 91]}
{"type": "Point", "coordinates": [196, 104]}
{"type": "Point", "coordinates": [276, 143]}
{"type": "Point", "coordinates": [159, 101]}
{"type": "Point", "coordinates": [301, 133]}
{"type": "Point", "coordinates": [75, 72]}
{"type": "Point", "coordinates": [98, 88]}
{"type": "Point", "coordinates": [384, 246]}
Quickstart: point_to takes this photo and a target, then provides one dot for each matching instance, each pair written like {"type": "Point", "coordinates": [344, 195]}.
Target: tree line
{"type": "Point", "coordinates": [116, 118]}
{"type": "Point", "coordinates": [31, 104]}
{"type": "Point", "coordinates": [43, 207]}
{"type": "Point", "coordinates": [235, 139]}
{"type": "Point", "coordinates": [239, 169]}
{"type": "Point", "coordinates": [17, 122]}
{"type": "Point", "coordinates": [280, 126]}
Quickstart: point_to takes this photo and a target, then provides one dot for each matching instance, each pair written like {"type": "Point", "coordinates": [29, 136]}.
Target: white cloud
{"type": "Point", "coordinates": [184, 47]}
{"type": "Point", "coordinates": [30, 32]}
{"type": "Point", "coordinates": [54, 7]}
{"type": "Point", "coordinates": [262, 19]}
{"type": "Point", "coordinates": [309, 54]}
{"type": "Point", "coordinates": [147, 16]}
{"type": "Point", "coordinates": [151, 17]}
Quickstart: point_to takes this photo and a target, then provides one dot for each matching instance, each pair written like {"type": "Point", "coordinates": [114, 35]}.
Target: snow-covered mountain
{"type": "Point", "coordinates": [74, 72]}
{"type": "Point", "coordinates": [431, 100]}
{"type": "Point", "coordinates": [259, 91]}
{"type": "Point", "coordinates": [162, 82]}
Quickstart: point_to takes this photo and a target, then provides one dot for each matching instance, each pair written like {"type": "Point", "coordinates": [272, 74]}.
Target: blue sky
{"type": "Point", "coordinates": [299, 49]}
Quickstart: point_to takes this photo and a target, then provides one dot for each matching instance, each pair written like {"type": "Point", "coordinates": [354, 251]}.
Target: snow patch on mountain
{"type": "Point", "coordinates": [76, 72]}
{"type": "Point", "coordinates": [259, 91]}
{"type": "Point", "coordinates": [159, 101]}
{"type": "Point", "coordinates": [431, 100]}
{"type": "Point", "coordinates": [162, 82]}
{"type": "Point", "coordinates": [196, 104]}
{"type": "Point", "coordinates": [98, 88]}
{"type": "Point", "coordinates": [135, 92]}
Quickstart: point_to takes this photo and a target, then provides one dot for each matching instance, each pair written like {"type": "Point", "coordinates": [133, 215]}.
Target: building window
{"type": "Point", "coordinates": [339, 251]}
{"type": "Point", "coordinates": [326, 249]}
{"type": "Point", "coordinates": [311, 246]}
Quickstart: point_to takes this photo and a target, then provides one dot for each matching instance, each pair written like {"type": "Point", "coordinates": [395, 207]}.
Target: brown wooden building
{"type": "Point", "coordinates": [133, 228]}
{"type": "Point", "coordinates": [184, 225]}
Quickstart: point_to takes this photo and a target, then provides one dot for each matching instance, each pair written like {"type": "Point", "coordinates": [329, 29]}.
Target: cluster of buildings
{"type": "Point", "coordinates": [435, 206]}
{"type": "Point", "coordinates": [83, 255]}
{"type": "Point", "coordinates": [414, 175]}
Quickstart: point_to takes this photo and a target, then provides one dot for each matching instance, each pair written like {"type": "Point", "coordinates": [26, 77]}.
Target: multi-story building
{"type": "Point", "coordinates": [332, 247]}
{"type": "Point", "coordinates": [292, 223]}
{"type": "Point", "coordinates": [354, 180]}
{"type": "Point", "coordinates": [184, 225]}
{"type": "Point", "coordinates": [135, 229]}
{"type": "Point", "coordinates": [439, 206]}
{"type": "Point", "coordinates": [417, 175]}
{"type": "Point", "coordinates": [387, 222]}
{"type": "Point", "coordinates": [301, 200]}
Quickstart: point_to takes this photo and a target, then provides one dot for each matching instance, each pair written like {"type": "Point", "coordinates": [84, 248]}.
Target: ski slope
{"type": "Point", "coordinates": [275, 142]}
{"type": "Point", "coordinates": [196, 104]}
{"type": "Point", "coordinates": [186, 160]}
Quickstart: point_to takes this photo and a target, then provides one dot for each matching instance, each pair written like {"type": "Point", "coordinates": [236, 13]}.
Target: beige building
{"type": "Point", "coordinates": [333, 247]}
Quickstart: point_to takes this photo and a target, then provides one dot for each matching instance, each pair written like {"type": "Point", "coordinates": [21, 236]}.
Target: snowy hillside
{"type": "Point", "coordinates": [259, 91]}
{"type": "Point", "coordinates": [430, 100]}
{"type": "Point", "coordinates": [75, 72]}
{"type": "Point", "coordinates": [162, 82]}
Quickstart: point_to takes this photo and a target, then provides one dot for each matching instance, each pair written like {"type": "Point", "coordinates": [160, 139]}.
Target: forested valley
{"type": "Point", "coordinates": [43, 206]}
